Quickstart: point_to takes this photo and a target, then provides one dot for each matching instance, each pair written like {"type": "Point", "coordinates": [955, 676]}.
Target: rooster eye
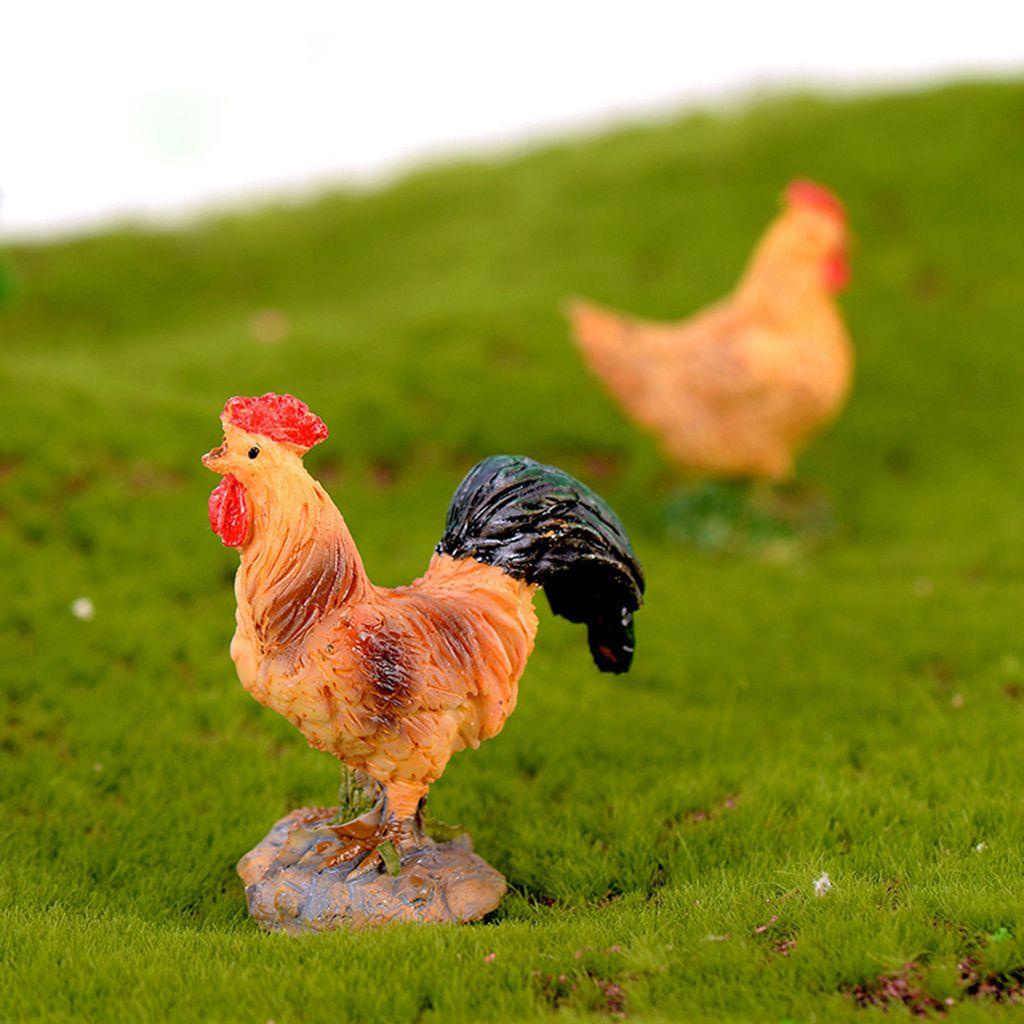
{"type": "Point", "coordinates": [253, 452]}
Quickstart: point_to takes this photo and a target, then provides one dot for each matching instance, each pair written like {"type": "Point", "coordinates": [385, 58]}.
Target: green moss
{"type": "Point", "coordinates": [855, 708]}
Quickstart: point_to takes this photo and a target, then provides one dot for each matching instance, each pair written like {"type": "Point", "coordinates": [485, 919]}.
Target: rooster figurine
{"type": "Point", "coordinates": [738, 389]}
{"type": "Point", "coordinates": [393, 682]}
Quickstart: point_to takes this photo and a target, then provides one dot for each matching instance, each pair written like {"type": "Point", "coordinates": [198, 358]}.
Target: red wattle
{"type": "Point", "coordinates": [837, 272]}
{"type": "Point", "coordinates": [229, 513]}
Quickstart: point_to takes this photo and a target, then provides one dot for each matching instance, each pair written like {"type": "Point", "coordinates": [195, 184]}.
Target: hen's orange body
{"type": "Point", "coordinates": [739, 388]}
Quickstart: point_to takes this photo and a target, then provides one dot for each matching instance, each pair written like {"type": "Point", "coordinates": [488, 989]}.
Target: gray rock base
{"type": "Point", "coordinates": [302, 878]}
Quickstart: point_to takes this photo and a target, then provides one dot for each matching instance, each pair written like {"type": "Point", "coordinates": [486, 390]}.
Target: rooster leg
{"type": "Point", "coordinates": [357, 787]}
{"type": "Point", "coordinates": [399, 825]}
{"type": "Point", "coordinates": [403, 820]}
{"type": "Point", "coordinates": [354, 839]}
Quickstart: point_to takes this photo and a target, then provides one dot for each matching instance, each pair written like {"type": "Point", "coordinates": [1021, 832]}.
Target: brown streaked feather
{"type": "Point", "coordinates": [385, 662]}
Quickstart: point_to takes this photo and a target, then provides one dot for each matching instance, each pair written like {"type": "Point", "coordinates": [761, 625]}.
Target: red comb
{"type": "Point", "coordinates": [279, 417]}
{"type": "Point", "coordinates": [809, 193]}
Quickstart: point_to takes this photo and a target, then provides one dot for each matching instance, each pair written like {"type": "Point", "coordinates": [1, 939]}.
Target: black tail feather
{"type": "Point", "coordinates": [541, 525]}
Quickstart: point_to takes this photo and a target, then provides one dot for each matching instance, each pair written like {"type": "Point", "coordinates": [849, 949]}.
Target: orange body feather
{"type": "Point", "coordinates": [739, 388]}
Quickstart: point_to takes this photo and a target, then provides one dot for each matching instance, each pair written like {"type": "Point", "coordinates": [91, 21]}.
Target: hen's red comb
{"type": "Point", "coordinates": [279, 417]}
{"type": "Point", "coordinates": [809, 193]}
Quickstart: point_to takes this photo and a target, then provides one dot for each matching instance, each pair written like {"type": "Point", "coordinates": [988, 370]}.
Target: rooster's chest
{"type": "Point", "coordinates": [318, 688]}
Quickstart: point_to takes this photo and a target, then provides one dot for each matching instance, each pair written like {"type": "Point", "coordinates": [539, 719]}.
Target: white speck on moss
{"type": "Point", "coordinates": [82, 608]}
{"type": "Point", "coordinates": [822, 884]}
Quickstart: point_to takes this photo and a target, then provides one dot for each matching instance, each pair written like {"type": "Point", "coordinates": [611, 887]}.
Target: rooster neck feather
{"type": "Point", "coordinates": [300, 562]}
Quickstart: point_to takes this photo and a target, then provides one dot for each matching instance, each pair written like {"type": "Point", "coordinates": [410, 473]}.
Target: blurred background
{"type": "Point", "coordinates": [116, 109]}
{"type": "Point", "coordinates": [382, 209]}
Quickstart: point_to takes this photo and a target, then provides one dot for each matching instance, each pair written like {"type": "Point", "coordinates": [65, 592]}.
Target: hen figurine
{"type": "Point", "coordinates": [739, 388]}
{"type": "Point", "coordinates": [393, 682]}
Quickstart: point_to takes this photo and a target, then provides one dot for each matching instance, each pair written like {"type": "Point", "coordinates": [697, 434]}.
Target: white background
{"type": "Point", "coordinates": [111, 109]}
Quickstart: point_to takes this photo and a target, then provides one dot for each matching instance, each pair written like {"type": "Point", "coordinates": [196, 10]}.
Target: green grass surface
{"type": "Point", "coordinates": [857, 709]}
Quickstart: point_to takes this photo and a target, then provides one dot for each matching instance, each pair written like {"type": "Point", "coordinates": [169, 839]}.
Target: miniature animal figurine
{"type": "Point", "coordinates": [392, 682]}
{"type": "Point", "coordinates": [739, 388]}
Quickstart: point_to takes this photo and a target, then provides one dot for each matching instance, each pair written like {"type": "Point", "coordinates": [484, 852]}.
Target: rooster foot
{"type": "Point", "coordinates": [349, 841]}
{"type": "Point", "coordinates": [391, 842]}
